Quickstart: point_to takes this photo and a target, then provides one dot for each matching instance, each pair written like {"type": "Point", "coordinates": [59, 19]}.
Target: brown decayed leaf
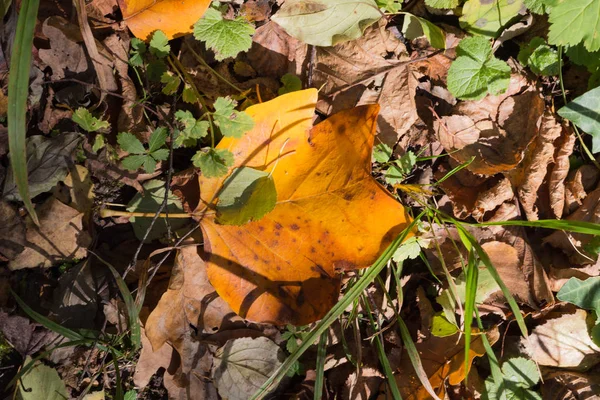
{"type": "Point", "coordinates": [60, 237]}
{"type": "Point", "coordinates": [66, 55]}
{"type": "Point", "coordinates": [495, 130]}
{"type": "Point", "coordinates": [569, 385]}
{"type": "Point", "coordinates": [330, 216]}
{"type": "Point", "coordinates": [563, 341]}
{"type": "Point", "coordinates": [578, 184]}
{"type": "Point", "coordinates": [490, 199]}
{"type": "Point", "coordinates": [560, 170]}
{"type": "Point", "coordinates": [173, 17]}
{"type": "Point", "coordinates": [362, 384]}
{"type": "Point", "coordinates": [150, 361]}
{"type": "Point", "coordinates": [12, 232]}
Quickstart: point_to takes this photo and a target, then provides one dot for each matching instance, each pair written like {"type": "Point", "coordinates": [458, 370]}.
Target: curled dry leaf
{"type": "Point", "coordinates": [173, 17]}
{"type": "Point", "coordinates": [577, 186]}
{"type": "Point", "coordinates": [495, 130]}
{"type": "Point", "coordinates": [559, 172]}
{"type": "Point", "coordinates": [60, 237]}
{"type": "Point", "coordinates": [330, 215]}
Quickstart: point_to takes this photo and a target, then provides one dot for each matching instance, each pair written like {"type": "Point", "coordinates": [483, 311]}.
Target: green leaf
{"type": "Point", "coordinates": [593, 246]}
{"type": "Point", "coordinates": [541, 58]}
{"type": "Point", "coordinates": [584, 112]}
{"type": "Point", "coordinates": [401, 168]}
{"type": "Point", "coordinates": [157, 139]}
{"type": "Point", "coordinates": [149, 164]}
{"type": "Point", "coordinates": [136, 54]}
{"type": "Point", "coordinates": [171, 81]}
{"type": "Point", "coordinates": [214, 162]}
{"type": "Point", "coordinates": [409, 249]}
{"type": "Point", "coordinates": [247, 195]}
{"type": "Point", "coordinates": [160, 154]}
{"type": "Point", "coordinates": [391, 6]}
{"type": "Point", "coordinates": [87, 121]}
{"type": "Point", "coordinates": [488, 18]}
{"type": "Point", "coordinates": [130, 395]}
{"type": "Point", "coordinates": [189, 94]}
{"type": "Point", "coordinates": [442, 3]}
{"type": "Point", "coordinates": [224, 36]}
{"type": "Point", "coordinates": [291, 83]}
{"type": "Point", "coordinates": [159, 44]}
{"type": "Point", "coordinates": [326, 22]}
{"type": "Point", "coordinates": [584, 294]}
{"type": "Point", "coordinates": [155, 70]}
{"type": "Point", "coordinates": [382, 153]}
{"type": "Point", "coordinates": [231, 122]}
{"type": "Point", "coordinates": [135, 161]}
{"type": "Point", "coordinates": [581, 56]}
{"type": "Point", "coordinates": [193, 130]}
{"type": "Point", "coordinates": [521, 371]}
{"type": "Point", "coordinates": [575, 21]}
{"type": "Point", "coordinates": [41, 382]}
{"type": "Point", "coordinates": [476, 71]}
{"type": "Point", "coordinates": [441, 327]}
{"type": "Point", "coordinates": [130, 143]}
{"type": "Point", "coordinates": [149, 202]}
{"type": "Point", "coordinates": [99, 143]}
{"type": "Point", "coordinates": [415, 26]}
{"type": "Point", "coordinates": [536, 6]}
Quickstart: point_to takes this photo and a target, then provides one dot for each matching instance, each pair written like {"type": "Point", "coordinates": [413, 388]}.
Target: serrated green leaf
{"type": "Point", "coordinates": [135, 161]}
{"type": "Point", "coordinates": [87, 121]}
{"type": "Point", "coordinates": [583, 293]}
{"type": "Point", "coordinates": [231, 122]}
{"type": "Point", "coordinates": [575, 21]}
{"type": "Point", "coordinates": [408, 250]}
{"type": "Point", "coordinates": [155, 70]}
{"type": "Point", "coordinates": [130, 143]}
{"type": "Point", "coordinates": [484, 17]}
{"type": "Point", "coordinates": [157, 139]}
{"type": "Point", "coordinates": [149, 164]}
{"type": "Point", "coordinates": [193, 130]}
{"type": "Point", "coordinates": [415, 26]}
{"type": "Point", "coordinates": [521, 371]}
{"type": "Point", "coordinates": [136, 54]}
{"type": "Point", "coordinates": [225, 37]}
{"type": "Point", "coordinates": [291, 83]}
{"type": "Point", "coordinates": [441, 327]}
{"type": "Point", "coordinates": [581, 56]}
{"type": "Point", "coordinates": [214, 162]}
{"type": "Point", "coordinates": [536, 6]}
{"type": "Point", "coordinates": [160, 154]}
{"type": "Point", "coordinates": [584, 112]}
{"type": "Point", "coordinates": [247, 195]}
{"type": "Point", "coordinates": [98, 143]}
{"type": "Point", "coordinates": [171, 81]}
{"type": "Point", "coordinates": [159, 44]}
{"type": "Point", "coordinates": [476, 71]}
{"type": "Point", "coordinates": [382, 153]}
{"type": "Point", "coordinates": [189, 94]}
{"type": "Point", "coordinates": [326, 22]}
{"type": "Point", "coordinates": [400, 168]}
{"type": "Point", "coordinates": [442, 3]}
{"type": "Point", "coordinates": [541, 58]}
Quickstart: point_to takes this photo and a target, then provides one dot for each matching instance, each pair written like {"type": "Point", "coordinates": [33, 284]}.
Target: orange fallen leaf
{"type": "Point", "coordinates": [330, 215]}
{"type": "Point", "coordinates": [173, 17]}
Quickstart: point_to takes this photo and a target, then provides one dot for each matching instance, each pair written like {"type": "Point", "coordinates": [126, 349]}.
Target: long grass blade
{"type": "Point", "coordinates": [494, 364]}
{"type": "Point", "coordinates": [18, 91]}
{"type": "Point", "coordinates": [470, 295]}
{"type": "Point", "coordinates": [589, 228]}
{"type": "Point", "coordinates": [336, 311]}
{"type": "Point", "coordinates": [320, 370]}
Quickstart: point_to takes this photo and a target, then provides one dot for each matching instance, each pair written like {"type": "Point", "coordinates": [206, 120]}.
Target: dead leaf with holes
{"type": "Point", "coordinates": [330, 215]}
{"type": "Point", "coordinates": [173, 17]}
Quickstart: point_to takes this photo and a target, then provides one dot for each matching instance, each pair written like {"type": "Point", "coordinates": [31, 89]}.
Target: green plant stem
{"type": "Point", "coordinates": [215, 73]}
{"type": "Point", "coordinates": [320, 368]}
{"type": "Point", "coordinates": [18, 91]}
{"type": "Point", "coordinates": [564, 96]}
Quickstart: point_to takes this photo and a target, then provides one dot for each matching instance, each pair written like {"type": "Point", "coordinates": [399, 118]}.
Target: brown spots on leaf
{"type": "Point", "coordinates": [343, 265]}
{"type": "Point", "coordinates": [278, 226]}
{"type": "Point", "coordinates": [313, 250]}
{"type": "Point", "coordinates": [341, 129]}
{"type": "Point", "coordinates": [261, 228]}
{"type": "Point", "coordinates": [255, 257]}
{"type": "Point", "coordinates": [348, 196]}
{"type": "Point", "coordinates": [294, 227]}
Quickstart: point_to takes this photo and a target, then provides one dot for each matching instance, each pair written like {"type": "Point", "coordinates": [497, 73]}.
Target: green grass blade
{"type": "Point", "coordinates": [321, 355]}
{"type": "Point", "coordinates": [470, 294]}
{"type": "Point", "coordinates": [494, 364]}
{"type": "Point", "coordinates": [589, 228]}
{"type": "Point", "coordinates": [336, 311]}
{"type": "Point", "coordinates": [18, 91]}
{"type": "Point", "coordinates": [385, 363]}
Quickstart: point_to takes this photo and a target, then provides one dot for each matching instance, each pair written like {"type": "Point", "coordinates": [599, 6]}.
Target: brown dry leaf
{"type": "Point", "coordinates": [191, 300]}
{"type": "Point", "coordinates": [60, 237]}
{"type": "Point", "coordinates": [443, 361]}
{"type": "Point", "coordinates": [559, 172]}
{"type": "Point", "coordinates": [66, 55]}
{"type": "Point", "coordinates": [256, 10]}
{"type": "Point", "coordinates": [12, 232]}
{"type": "Point", "coordinates": [495, 130]}
{"type": "Point", "coordinates": [563, 341]}
{"type": "Point", "coordinates": [569, 385]}
{"type": "Point", "coordinates": [329, 209]}
{"type": "Point", "coordinates": [174, 17]}
{"type": "Point", "coordinates": [81, 188]}
{"type": "Point", "coordinates": [362, 384]}
{"type": "Point", "coordinates": [577, 186]}
{"type": "Point", "coordinates": [572, 243]}
{"type": "Point", "coordinates": [150, 361]}
{"type": "Point", "coordinates": [372, 69]}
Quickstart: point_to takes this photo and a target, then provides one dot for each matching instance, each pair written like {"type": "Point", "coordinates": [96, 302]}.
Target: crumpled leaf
{"type": "Point", "coordinates": [243, 365]}
{"type": "Point", "coordinates": [324, 189]}
{"type": "Point", "coordinates": [60, 237]}
{"type": "Point", "coordinates": [41, 382]}
{"type": "Point", "coordinates": [584, 112]}
{"type": "Point", "coordinates": [326, 22]}
{"type": "Point", "coordinates": [488, 17]}
{"type": "Point", "coordinates": [173, 17]}
{"type": "Point", "coordinates": [47, 164]}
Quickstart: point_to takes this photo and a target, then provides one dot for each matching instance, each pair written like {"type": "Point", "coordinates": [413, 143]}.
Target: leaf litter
{"type": "Point", "coordinates": [234, 168]}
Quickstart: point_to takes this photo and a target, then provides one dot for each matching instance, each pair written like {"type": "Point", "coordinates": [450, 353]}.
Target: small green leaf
{"type": "Point", "coordinates": [593, 246]}
{"type": "Point", "coordinates": [400, 168]}
{"type": "Point", "coordinates": [442, 3]}
{"type": "Point", "coordinates": [575, 21]}
{"type": "Point", "coordinates": [541, 58]}
{"type": "Point", "coordinates": [408, 250]}
{"type": "Point", "coordinates": [98, 143]}
{"type": "Point", "coordinates": [441, 327]}
{"type": "Point", "coordinates": [159, 44]}
{"type": "Point", "coordinates": [583, 293]}
{"type": "Point", "coordinates": [584, 112]}
{"type": "Point", "coordinates": [171, 81]}
{"type": "Point", "coordinates": [149, 164]}
{"type": "Point", "coordinates": [391, 6]}
{"type": "Point", "coordinates": [487, 17]}
{"type": "Point", "coordinates": [382, 153]}
{"type": "Point", "coordinates": [326, 22]}
{"type": "Point", "coordinates": [225, 37]}
{"type": "Point", "coordinates": [160, 154]}
{"type": "Point", "coordinates": [130, 395]}
{"type": "Point", "coordinates": [476, 71]}
{"type": "Point", "coordinates": [41, 382]}
{"type": "Point", "coordinates": [415, 26]}
{"type": "Point", "coordinates": [214, 162]}
{"type": "Point", "coordinates": [155, 70]}
{"type": "Point", "coordinates": [193, 130]}
{"type": "Point", "coordinates": [87, 121]}
{"type": "Point", "coordinates": [189, 94]}
{"type": "Point", "coordinates": [157, 139]}
{"type": "Point", "coordinates": [581, 56]}
{"type": "Point", "coordinates": [536, 6]}
{"type": "Point", "coordinates": [130, 143]}
{"type": "Point", "coordinates": [291, 83]}
{"type": "Point", "coordinates": [247, 195]}
{"type": "Point", "coordinates": [231, 122]}
{"type": "Point", "coordinates": [136, 54]}
{"type": "Point", "coordinates": [135, 161]}
{"type": "Point", "coordinates": [521, 371]}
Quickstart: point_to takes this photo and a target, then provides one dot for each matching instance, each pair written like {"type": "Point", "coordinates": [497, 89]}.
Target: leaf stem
{"type": "Point", "coordinates": [215, 73]}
